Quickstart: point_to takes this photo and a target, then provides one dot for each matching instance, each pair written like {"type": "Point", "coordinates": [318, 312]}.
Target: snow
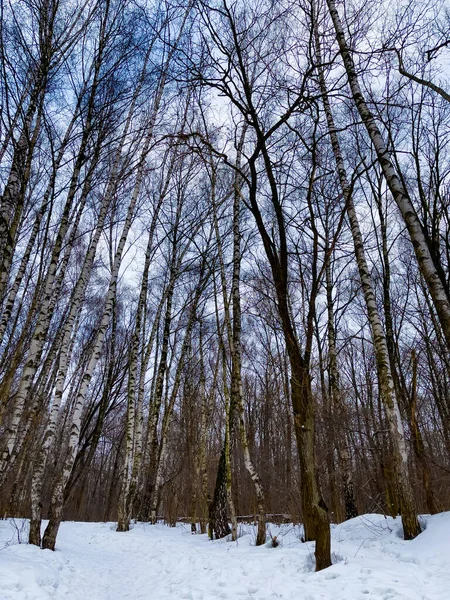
{"type": "Point", "coordinates": [94, 562]}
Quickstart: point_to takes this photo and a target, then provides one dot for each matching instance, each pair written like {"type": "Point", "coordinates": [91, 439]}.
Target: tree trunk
{"type": "Point", "coordinates": [236, 351]}
{"type": "Point", "coordinates": [338, 408]}
{"type": "Point", "coordinates": [418, 445]}
{"type": "Point", "coordinates": [425, 257]}
{"type": "Point", "coordinates": [133, 435]}
{"type": "Point", "coordinates": [386, 385]}
{"type": "Point", "coordinates": [218, 526]}
{"type": "Point", "coordinates": [177, 381]}
{"type": "Point", "coordinates": [57, 502]}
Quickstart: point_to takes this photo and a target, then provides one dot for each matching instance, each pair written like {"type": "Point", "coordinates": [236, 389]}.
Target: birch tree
{"type": "Point", "coordinates": [394, 180]}
{"type": "Point", "coordinates": [411, 526]}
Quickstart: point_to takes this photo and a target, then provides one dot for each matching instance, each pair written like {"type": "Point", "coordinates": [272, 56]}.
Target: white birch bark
{"type": "Point", "coordinates": [385, 380]}
{"type": "Point", "coordinates": [45, 314]}
{"type": "Point", "coordinates": [50, 534]}
{"type": "Point", "coordinates": [142, 449]}
{"type": "Point", "coordinates": [64, 358]}
{"type": "Point", "coordinates": [52, 50]}
{"type": "Point", "coordinates": [230, 413]}
{"type": "Point", "coordinates": [57, 502]}
{"type": "Point", "coordinates": [77, 299]}
{"type": "Point", "coordinates": [163, 368]}
{"type": "Point", "coordinates": [40, 333]}
{"type": "Point", "coordinates": [177, 381]}
{"type": "Point", "coordinates": [438, 292]}
{"type": "Point", "coordinates": [134, 423]}
{"type": "Point", "coordinates": [234, 340]}
{"type": "Point", "coordinates": [12, 199]}
{"type": "Point", "coordinates": [157, 396]}
{"type": "Point", "coordinates": [11, 297]}
{"type": "Point", "coordinates": [202, 471]}
{"type": "Point", "coordinates": [236, 355]}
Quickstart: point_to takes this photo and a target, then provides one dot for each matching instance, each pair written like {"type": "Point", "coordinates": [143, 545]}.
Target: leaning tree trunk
{"type": "Point", "coordinates": [14, 193]}
{"type": "Point", "coordinates": [46, 202]}
{"type": "Point", "coordinates": [45, 314]}
{"type": "Point", "coordinates": [58, 495]}
{"type": "Point", "coordinates": [57, 502]}
{"type": "Point", "coordinates": [52, 286]}
{"type": "Point", "coordinates": [425, 258]}
{"type": "Point", "coordinates": [64, 360]}
{"type": "Point", "coordinates": [386, 385]}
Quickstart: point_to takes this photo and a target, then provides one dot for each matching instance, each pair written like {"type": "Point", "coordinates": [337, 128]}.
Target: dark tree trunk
{"type": "Point", "coordinates": [218, 520]}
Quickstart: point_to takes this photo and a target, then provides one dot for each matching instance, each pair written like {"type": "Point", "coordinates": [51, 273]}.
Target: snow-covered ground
{"type": "Point", "coordinates": [93, 562]}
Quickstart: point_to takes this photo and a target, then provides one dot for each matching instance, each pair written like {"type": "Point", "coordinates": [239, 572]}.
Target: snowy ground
{"type": "Point", "coordinates": [93, 562]}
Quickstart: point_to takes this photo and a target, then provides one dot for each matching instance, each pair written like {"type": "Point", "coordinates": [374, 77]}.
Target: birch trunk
{"type": "Point", "coordinates": [52, 285]}
{"type": "Point", "coordinates": [45, 314]}
{"type": "Point", "coordinates": [64, 360]}
{"type": "Point", "coordinates": [13, 197]}
{"type": "Point", "coordinates": [236, 354]}
{"type": "Point", "coordinates": [142, 447]}
{"type": "Point", "coordinates": [386, 385]}
{"type": "Point", "coordinates": [77, 299]}
{"type": "Point", "coordinates": [133, 434]}
{"type": "Point", "coordinates": [11, 297]}
{"type": "Point", "coordinates": [57, 503]}
{"type": "Point", "coordinates": [218, 526]}
{"type": "Point", "coordinates": [156, 399]}
{"type": "Point", "coordinates": [53, 49]}
{"type": "Point", "coordinates": [138, 449]}
{"type": "Point", "coordinates": [338, 412]}
{"type": "Point", "coordinates": [202, 473]}
{"type": "Point", "coordinates": [153, 419]}
{"type": "Point", "coordinates": [424, 255]}
{"type": "Point", "coordinates": [230, 406]}
{"type": "Point", "coordinates": [173, 396]}
{"type": "Point", "coordinates": [223, 490]}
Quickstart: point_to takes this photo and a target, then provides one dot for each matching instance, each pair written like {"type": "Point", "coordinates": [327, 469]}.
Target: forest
{"type": "Point", "coordinates": [225, 263]}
